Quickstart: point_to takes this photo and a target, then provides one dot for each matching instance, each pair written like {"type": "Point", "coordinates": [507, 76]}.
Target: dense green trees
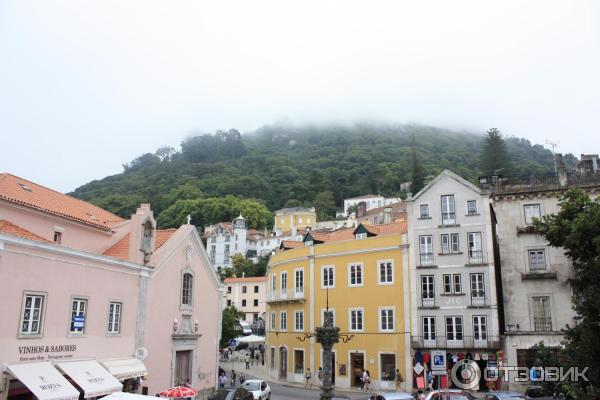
{"type": "Point", "coordinates": [494, 158]}
{"type": "Point", "coordinates": [229, 328]}
{"type": "Point", "coordinates": [576, 228]}
{"type": "Point", "coordinates": [283, 165]}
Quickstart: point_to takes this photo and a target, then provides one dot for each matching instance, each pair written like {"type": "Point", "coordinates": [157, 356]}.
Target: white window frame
{"type": "Point", "coordinates": [283, 321]}
{"type": "Point", "coordinates": [448, 209]}
{"type": "Point", "coordinates": [474, 246]}
{"type": "Point", "coordinates": [385, 263]}
{"type": "Point", "coordinates": [430, 333]}
{"type": "Point", "coordinates": [477, 286]}
{"type": "Point", "coordinates": [480, 327]}
{"type": "Point", "coordinates": [387, 309]}
{"type": "Point", "coordinates": [455, 325]}
{"type": "Point", "coordinates": [298, 328]}
{"type": "Point", "coordinates": [273, 321]}
{"type": "Point", "coordinates": [430, 284]}
{"type": "Point", "coordinates": [362, 235]}
{"type": "Point", "coordinates": [424, 216]}
{"type": "Point", "coordinates": [549, 318]}
{"type": "Point", "coordinates": [40, 320]}
{"type": "Point", "coordinates": [537, 252]}
{"type": "Point", "coordinates": [359, 275]}
{"type": "Point", "coordinates": [332, 310]}
{"type": "Point", "coordinates": [426, 248]}
{"type": "Point", "coordinates": [190, 304]}
{"type": "Point", "coordinates": [445, 242]}
{"type": "Point", "coordinates": [331, 269]}
{"type": "Point", "coordinates": [80, 300]}
{"type": "Point", "coordinates": [111, 320]}
{"type": "Point", "coordinates": [469, 210]}
{"type": "Point", "coordinates": [362, 319]}
{"type": "Point", "coordinates": [298, 288]}
{"type": "Point", "coordinates": [283, 285]}
{"type": "Point", "coordinates": [527, 216]}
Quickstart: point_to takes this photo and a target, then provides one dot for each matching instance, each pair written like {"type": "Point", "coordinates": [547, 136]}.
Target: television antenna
{"type": "Point", "coordinates": [554, 146]}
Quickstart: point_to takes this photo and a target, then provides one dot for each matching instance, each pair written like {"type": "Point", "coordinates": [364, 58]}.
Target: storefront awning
{"type": "Point", "coordinates": [125, 368]}
{"type": "Point", "coordinates": [92, 377]}
{"type": "Point", "coordinates": [44, 381]}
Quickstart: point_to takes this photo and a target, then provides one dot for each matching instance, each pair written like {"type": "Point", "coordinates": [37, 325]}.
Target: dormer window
{"type": "Point", "coordinates": [361, 235]}
{"type": "Point", "coordinates": [57, 237]}
{"type": "Point", "coordinates": [308, 243]}
{"type": "Point", "coordinates": [147, 237]}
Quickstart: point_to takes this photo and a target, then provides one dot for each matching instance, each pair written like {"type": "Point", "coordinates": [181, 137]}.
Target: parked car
{"type": "Point", "coordinates": [449, 394]}
{"type": "Point", "coordinates": [260, 389]}
{"type": "Point", "coordinates": [391, 396]}
{"type": "Point", "coordinates": [246, 330]}
{"type": "Point", "coordinates": [505, 396]}
{"type": "Point", "coordinates": [231, 394]}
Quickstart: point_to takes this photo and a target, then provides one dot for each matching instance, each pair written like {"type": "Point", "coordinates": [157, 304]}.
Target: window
{"type": "Point", "coordinates": [244, 303]}
{"type": "Point", "coordinates": [471, 207]}
{"type": "Point", "coordinates": [454, 328]}
{"type": "Point", "coordinates": [428, 328]}
{"type": "Point", "coordinates": [255, 303]}
{"type": "Point", "coordinates": [387, 366]}
{"type": "Point", "coordinates": [356, 319]}
{"type": "Point", "coordinates": [213, 239]}
{"type": "Point", "coordinates": [477, 287]}
{"type": "Point", "coordinates": [479, 327]}
{"type": "Point", "coordinates": [474, 246]}
{"type": "Point", "coordinates": [355, 275]}
{"type": "Point", "coordinates": [227, 238]}
{"type": "Point", "coordinates": [57, 237]}
{"type": "Point", "coordinates": [448, 210]}
{"type": "Point", "coordinates": [537, 260]}
{"type": "Point", "coordinates": [298, 361]}
{"type": "Point", "coordinates": [256, 289]}
{"type": "Point", "coordinates": [361, 235]}
{"type": "Point", "coordinates": [187, 289]}
{"type": "Point", "coordinates": [273, 321]}
{"type": "Point", "coordinates": [450, 243]}
{"type": "Point", "coordinates": [328, 277]}
{"type": "Point", "coordinates": [427, 287]}
{"type": "Point", "coordinates": [228, 303]}
{"type": "Point", "coordinates": [454, 244]}
{"type": "Point", "coordinates": [114, 317]}
{"type": "Point", "coordinates": [236, 237]}
{"type": "Point", "coordinates": [531, 211]}
{"type": "Point", "coordinates": [283, 282]}
{"type": "Point", "coordinates": [424, 211]}
{"type": "Point", "coordinates": [452, 283]}
{"type": "Point", "coordinates": [244, 289]}
{"type": "Point", "coordinates": [542, 317]}
{"type": "Point", "coordinates": [299, 280]}
{"type": "Point", "coordinates": [273, 283]}
{"type": "Point", "coordinates": [386, 272]}
{"type": "Point", "coordinates": [426, 250]}
{"type": "Point", "coordinates": [283, 321]}
{"type": "Point", "coordinates": [328, 316]}
{"type": "Point", "coordinates": [386, 319]}
{"type": "Point", "coordinates": [31, 319]}
{"type": "Point", "coordinates": [78, 310]}
{"type": "Point", "coordinates": [228, 289]}
{"type": "Point", "coordinates": [299, 320]}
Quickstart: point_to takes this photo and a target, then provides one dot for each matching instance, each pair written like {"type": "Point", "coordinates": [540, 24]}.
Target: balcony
{"type": "Point", "coordinates": [466, 342]}
{"type": "Point", "coordinates": [288, 295]}
{"type": "Point", "coordinates": [479, 299]}
{"type": "Point", "coordinates": [475, 257]}
{"type": "Point", "coordinates": [426, 260]}
{"type": "Point", "coordinates": [428, 300]}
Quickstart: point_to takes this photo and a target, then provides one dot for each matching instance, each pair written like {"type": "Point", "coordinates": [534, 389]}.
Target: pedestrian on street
{"type": "Point", "coordinates": [362, 378]}
{"type": "Point", "coordinates": [366, 380]}
{"type": "Point", "coordinates": [222, 380]}
{"type": "Point", "coordinates": [307, 376]}
{"type": "Point", "coordinates": [247, 360]}
{"type": "Point", "coordinates": [233, 378]}
{"type": "Point", "coordinates": [242, 378]}
{"type": "Point", "coordinates": [320, 375]}
{"type": "Point", "coordinates": [398, 379]}
{"type": "Point", "coordinates": [256, 356]}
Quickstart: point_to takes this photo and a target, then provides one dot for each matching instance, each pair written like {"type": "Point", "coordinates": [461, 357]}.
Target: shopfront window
{"type": "Point", "coordinates": [388, 367]}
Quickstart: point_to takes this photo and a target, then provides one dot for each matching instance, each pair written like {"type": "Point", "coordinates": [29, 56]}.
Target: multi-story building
{"type": "Point", "coordinates": [360, 275]}
{"type": "Point", "coordinates": [225, 240]}
{"type": "Point", "coordinates": [453, 280]}
{"type": "Point", "coordinates": [371, 201]}
{"type": "Point", "coordinates": [294, 219]}
{"type": "Point", "coordinates": [535, 289]}
{"type": "Point", "coordinates": [81, 287]}
{"type": "Point", "coordinates": [247, 295]}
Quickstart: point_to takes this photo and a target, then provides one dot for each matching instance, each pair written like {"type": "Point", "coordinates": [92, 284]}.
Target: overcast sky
{"type": "Point", "coordinates": [88, 85]}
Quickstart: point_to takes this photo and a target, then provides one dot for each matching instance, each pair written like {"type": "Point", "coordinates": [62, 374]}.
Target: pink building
{"type": "Point", "coordinates": [86, 296]}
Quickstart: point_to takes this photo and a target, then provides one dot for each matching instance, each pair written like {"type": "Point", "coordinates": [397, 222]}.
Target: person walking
{"type": "Point", "coordinates": [362, 378]}
{"type": "Point", "coordinates": [320, 375]}
{"type": "Point", "coordinates": [307, 377]}
{"type": "Point", "coordinates": [247, 360]}
{"type": "Point", "coordinates": [222, 380]}
{"type": "Point", "coordinates": [398, 379]}
{"type": "Point", "coordinates": [367, 380]}
{"type": "Point", "coordinates": [233, 378]}
{"type": "Point", "coordinates": [242, 378]}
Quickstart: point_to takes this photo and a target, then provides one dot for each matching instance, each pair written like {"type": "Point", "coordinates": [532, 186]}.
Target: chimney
{"type": "Point", "coordinates": [361, 210]}
{"type": "Point", "coordinates": [387, 215]}
{"type": "Point", "coordinates": [563, 178]}
{"type": "Point", "coordinates": [142, 235]}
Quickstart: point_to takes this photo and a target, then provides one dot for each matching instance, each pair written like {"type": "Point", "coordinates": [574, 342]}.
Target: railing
{"type": "Point", "coordinates": [428, 299]}
{"type": "Point", "coordinates": [285, 295]}
{"type": "Point", "coordinates": [448, 218]}
{"type": "Point", "coordinates": [524, 184]}
{"type": "Point", "coordinates": [478, 298]}
{"type": "Point", "coordinates": [426, 259]}
{"type": "Point", "coordinates": [465, 342]}
{"type": "Point", "coordinates": [475, 257]}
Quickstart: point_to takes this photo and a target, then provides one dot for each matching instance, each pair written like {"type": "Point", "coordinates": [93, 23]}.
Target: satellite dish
{"type": "Point", "coordinates": [141, 353]}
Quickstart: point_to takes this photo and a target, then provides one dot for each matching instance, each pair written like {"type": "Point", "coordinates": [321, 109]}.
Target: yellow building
{"type": "Point", "coordinates": [362, 274]}
{"type": "Point", "coordinates": [294, 218]}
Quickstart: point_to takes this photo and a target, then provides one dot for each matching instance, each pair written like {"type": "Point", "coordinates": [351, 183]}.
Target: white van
{"type": "Point", "coordinates": [246, 330]}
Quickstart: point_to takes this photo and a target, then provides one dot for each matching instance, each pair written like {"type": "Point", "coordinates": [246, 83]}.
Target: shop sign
{"type": "Point", "coordinates": [78, 321]}
{"type": "Point", "coordinates": [47, 352]}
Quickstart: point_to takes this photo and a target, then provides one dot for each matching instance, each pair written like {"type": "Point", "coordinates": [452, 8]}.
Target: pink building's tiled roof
{"type": "Point", "coordinates": [9, 228]}
{"type": "Point", "coordinates": [21, 191]}
{"type": "Point", "coordinates": [121, 248]}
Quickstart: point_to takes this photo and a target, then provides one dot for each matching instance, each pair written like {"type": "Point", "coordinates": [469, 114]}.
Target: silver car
{"type": "Point", "coordinates": [391, 396]}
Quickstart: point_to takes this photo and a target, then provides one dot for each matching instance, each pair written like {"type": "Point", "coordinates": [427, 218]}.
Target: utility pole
{"type": "Point", "coordinates": [554, 146]}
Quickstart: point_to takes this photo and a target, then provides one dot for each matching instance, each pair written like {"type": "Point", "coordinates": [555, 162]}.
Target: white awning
{"type": "Point", "coordinates": [44, 381]}
{"type": "Point", "coordinates": [92, 377]}
{"type": "Point", "coordinates": [125, 368]}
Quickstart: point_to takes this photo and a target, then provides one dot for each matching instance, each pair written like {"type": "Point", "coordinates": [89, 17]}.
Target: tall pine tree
{"type": "Point", "coordinates": [494, 158]}
{"type": "Point", "coordinates": [418, 175]}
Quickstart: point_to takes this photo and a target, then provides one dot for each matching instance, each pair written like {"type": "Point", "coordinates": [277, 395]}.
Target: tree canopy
{"type": "Point", "coordinates": [494, 157]}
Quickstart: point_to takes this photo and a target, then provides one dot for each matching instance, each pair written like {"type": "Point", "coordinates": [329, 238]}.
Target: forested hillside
{"type": "Point", "coordinates": [288, 166]}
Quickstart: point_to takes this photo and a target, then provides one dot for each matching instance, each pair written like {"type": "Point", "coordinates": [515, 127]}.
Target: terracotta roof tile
{"type": "Point", "coordinates": [249, 279]}
{"type": "Point", "coordinates": [21, 191]}
{"type": "Point", "coordinates": [396, 208]}
{"type": "Point", "coordinates": [290, 244]}
{"type": "Point", "coordinates": [15, 230]}
{"type": "Point", "coordinates": [121, 248]}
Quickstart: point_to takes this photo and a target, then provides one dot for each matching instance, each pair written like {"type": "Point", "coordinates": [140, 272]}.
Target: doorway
{"type": "Point", "coordinates": [357, 364]}
{"type": "Point", "coordinates": [282, 363]}
{"type": "Point", "coordinates": [183, 367]}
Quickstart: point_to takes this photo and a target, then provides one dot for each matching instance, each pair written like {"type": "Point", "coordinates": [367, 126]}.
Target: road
{"type": "Point", "coordinates": [284, 392]}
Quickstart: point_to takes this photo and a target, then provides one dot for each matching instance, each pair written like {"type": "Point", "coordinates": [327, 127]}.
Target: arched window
{"type": "Point", "coordinates": [186, 289]}
{"type": "Point", "coordinates": [147, 238]}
